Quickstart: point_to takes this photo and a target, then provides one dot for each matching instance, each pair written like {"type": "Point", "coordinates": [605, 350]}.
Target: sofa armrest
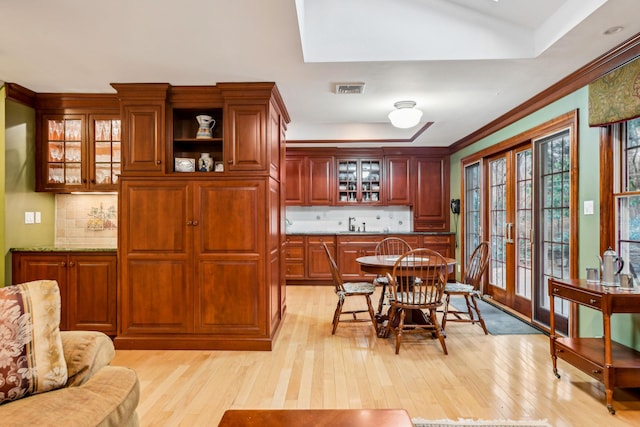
{"type": "Point", "coordinates": [85, 352]}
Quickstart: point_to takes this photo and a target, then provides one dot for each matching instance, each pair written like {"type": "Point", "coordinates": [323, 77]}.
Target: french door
{"type": "Point", "coordinates": [510, 214]}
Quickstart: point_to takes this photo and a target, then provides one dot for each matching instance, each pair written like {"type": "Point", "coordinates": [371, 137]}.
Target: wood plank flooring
{"type": "Point", "coordinates": [486, 377]}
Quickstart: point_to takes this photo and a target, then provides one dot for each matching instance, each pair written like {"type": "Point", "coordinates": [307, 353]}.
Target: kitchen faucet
{"type": "Point", "coordinates": [352, 226]}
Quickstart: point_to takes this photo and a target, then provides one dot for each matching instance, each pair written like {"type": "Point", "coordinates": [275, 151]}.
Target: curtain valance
{"type": "Point", "coordinates": [615, 97]}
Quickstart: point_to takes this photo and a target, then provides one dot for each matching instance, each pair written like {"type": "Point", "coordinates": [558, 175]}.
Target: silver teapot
{"type": "Point", "coordinates": [611, 265]}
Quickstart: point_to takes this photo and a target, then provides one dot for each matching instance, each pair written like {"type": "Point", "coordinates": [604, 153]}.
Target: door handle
{"type": "Point", "coordinates": [509, 232]}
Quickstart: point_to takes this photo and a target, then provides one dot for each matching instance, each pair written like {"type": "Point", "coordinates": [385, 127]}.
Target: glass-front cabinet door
{"type": "Point", "coordinates": [105, 151]}
{"type": "Point", "coordinates": [359, 181]}
{"type": "Point", "coordinates": [64, 152]}
{"type": "Point", "coordinates": [79, 153]}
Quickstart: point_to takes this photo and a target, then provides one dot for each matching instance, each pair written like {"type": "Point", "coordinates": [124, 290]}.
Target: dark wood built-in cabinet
{"type": "Point", "coordinates": [87, 282]}
{"type": "Point", "coordinates": [306, 261]}
{"type": "Point", "coordinates": [78, 142]}
{"type": "Point", "coordinates": [367, 177]}
{"type": "Point", "coordinates": [201, 251]}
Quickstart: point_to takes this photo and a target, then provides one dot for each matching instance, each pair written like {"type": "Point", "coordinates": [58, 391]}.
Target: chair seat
{"type": "Point", "coordinates": [359, 287]}
{"type": "Point", "coordinates": [381, 280]}
{"type": "Point", "coordinates": [456, 287]}
{"type": "Point", "coordinates": [410, 298]}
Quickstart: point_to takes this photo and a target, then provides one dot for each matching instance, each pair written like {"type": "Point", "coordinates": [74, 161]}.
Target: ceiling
{"type": "Point", "coordinates": [464, 62]}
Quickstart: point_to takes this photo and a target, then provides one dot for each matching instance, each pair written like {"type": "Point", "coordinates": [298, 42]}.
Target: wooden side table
{"type": "Point", "coordinates": [315, 418]}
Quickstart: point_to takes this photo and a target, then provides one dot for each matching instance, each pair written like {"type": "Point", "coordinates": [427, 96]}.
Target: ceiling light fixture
{"type": "Point", "coordinates": [613, 30]}
{"type": "Point", "coordinates": [405, 115]}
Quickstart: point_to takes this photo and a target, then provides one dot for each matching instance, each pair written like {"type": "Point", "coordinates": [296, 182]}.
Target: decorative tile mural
{"type": "Point", "coordinates": [88, 221]}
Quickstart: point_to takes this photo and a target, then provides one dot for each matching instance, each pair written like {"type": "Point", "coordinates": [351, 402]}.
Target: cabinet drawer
{"type": "Point", "coordinates": [586, 366]}
{"type": "Point", "coordinates": [295, 270]}
{"type": "Point", "coordinates": [317, 240]}
{"type": "Point", "coordinates": [294, 252]}
{"type": "Point", "coordinates": [374, 239]}
{"type": "Point", "coordinates": [294, 239]}
{"type": "Point", "coordinates": [575, 295]}
{"type": "Point", "coordinates": [436, 239]}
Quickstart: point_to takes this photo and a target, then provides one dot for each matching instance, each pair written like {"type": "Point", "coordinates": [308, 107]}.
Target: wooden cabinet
{"type": "Point", "coordinates": [431, 193]}
{"type": "Point", "coordinates": [352, 247]}
{"type": "Point", "coordinates": [442, 243]}
{"type": "Point", "coordinates": [78, 143]}
{"type": "Point", "coordinates": [87, 282]}
{"type": "Point", "coordinates": [309, 180]}
{"type": "Point", "coordinates": [397, 180]}
{"type": "Point", "coordinates": [201, 252]}
{"type": "Point", "coordinates": [195, 270]}
{"type": "Point", "coordinates": [359, 181]}
{"type": "Point", "coordinates": [307, 261]}
{"type": "Point", "coordinates": [609, 362]}
{"type": "Point", "coordinates": [295, 257]}
{"type": "Point", "coordinates": [142, 110]}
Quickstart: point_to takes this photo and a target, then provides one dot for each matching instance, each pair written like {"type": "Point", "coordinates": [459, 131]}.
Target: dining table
{"type": "Point", "coordinates": [383, 264]}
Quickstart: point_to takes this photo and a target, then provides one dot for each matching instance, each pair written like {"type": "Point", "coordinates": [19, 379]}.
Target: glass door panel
{"type": "Point", "coordinates": [553, 168]}
{"type": "Point", "coordinates": [498, 227]}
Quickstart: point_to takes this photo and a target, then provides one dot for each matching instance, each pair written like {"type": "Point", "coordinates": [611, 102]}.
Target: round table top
{"type": "Point", "coordinates": [382, 264]}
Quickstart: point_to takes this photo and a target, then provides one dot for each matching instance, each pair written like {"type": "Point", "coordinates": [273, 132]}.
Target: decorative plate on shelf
{"type": "Point", "coordinates": [183, 164]}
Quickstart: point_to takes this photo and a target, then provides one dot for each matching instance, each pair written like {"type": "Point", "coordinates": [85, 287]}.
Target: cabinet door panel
{"type": "Point", "coordinates": [317, 262]}
{"type": "Point", "coordinates": [229, 297]}
{"type": "Point", "coordinates": [397, 181]}
{"type": "Point", "coordinates": [92, 293]}
{"type": "Point", "coordinates": [320, 182]}
{"type": "Point", "coordinates": [155, 215]}
{"type": "Point", "coordinates": [156, 296]}
{"type": "Point", "coordinates": [30, 267]}
{"type": "Point", "coordinates": [247, 138]}
{"type": "Point", "coordinates": [431, 208]}
{"type": "Point", "coordinates": [295, 181]}
{"type": "Point", "coordinates": [143, 138]}
{"type": "Point", "coordinates": [231, 216]}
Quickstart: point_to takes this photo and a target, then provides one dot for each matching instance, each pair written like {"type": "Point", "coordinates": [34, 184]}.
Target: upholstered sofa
{"type": "Point", "coordinates": [95, 393]}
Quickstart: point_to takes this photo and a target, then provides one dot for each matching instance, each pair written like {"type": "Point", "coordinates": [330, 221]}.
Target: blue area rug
{"type": "Point", "coordinates": [498, 321]}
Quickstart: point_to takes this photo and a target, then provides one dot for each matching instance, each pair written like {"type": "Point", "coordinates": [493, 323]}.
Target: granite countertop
{"type": "Point", "coordinates": [62, 249]}
{"type": "Point", "coordinates": [368, 233]}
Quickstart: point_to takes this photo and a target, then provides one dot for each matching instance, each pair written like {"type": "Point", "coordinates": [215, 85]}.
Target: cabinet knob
{"type": "Point", "coordinates": [596, 371]}
{"type": "Point", "coordinates": [189, 222]}
{"type": "Point", "coordinates": [593, 301]}
{"type": "Point", "coordinates": [93, 181]}
{"type": "Point", "coordinates": [195, 223]}
{"type": "Point", "coordinates": [229, 161]}
{"type": "Point", "coordinates": [63, 264]}
{"type": "Point", "coordinates": [555, 290]}
{"type": "Point", "coordinates": [72, 264]}
{"type": "Point", "coordinates": [158, 162]}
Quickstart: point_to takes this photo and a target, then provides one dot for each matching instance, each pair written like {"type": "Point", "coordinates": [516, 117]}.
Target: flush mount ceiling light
{"type": "Point", "coordinates": [405, 115]}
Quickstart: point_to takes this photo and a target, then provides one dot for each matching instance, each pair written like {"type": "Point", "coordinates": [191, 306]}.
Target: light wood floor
{"type": "Point", "coordinates": [487, 377]}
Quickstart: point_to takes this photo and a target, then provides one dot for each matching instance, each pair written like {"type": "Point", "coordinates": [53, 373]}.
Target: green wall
{"type": "Point", "coordinates": [18, 179]}
{"type": "Point", "coordinates": [625, 328]}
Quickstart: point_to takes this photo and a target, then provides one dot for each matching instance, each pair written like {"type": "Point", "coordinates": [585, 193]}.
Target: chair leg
{"type": "Point", "coordinates": [447, 298]}
{"type": "Point", "coordinates": [392, 315]}
{"type": "Point", "coordinates": [480, 319]}
{"type": "Point", "coordinates": [372, 314]}
{"type": "Point", "coordinates": [381, 302]}
{"type": "Point", "coordinates": [439, 334]}
{"type": "Point", "coordinates": [400, 327]}
{"type": "Point", "coordinates": [336, 315]}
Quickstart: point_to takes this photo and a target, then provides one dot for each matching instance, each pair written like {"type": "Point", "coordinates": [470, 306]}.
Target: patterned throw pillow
{"type": "Point", "coordinates": [31, 356]}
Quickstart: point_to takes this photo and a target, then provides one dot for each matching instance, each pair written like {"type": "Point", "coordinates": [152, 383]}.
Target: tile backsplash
{"type": "Point", "coordinates": [332, 219]}
{"type": "Point", "coordinates": [86, 220]}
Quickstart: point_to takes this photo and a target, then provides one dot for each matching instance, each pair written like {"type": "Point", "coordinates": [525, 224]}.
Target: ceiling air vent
{"type": "Point", "coordinates": [349, 88]}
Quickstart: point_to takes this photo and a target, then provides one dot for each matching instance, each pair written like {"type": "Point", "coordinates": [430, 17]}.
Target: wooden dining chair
{"type": "Point", "coordinates": [470, 289]}
{"type": "Point", "coordinates": [417, 287]}
{"type": "Point", "coordinates": [392, 247]}
{"type": "Point", "coordinates": [350, 289]}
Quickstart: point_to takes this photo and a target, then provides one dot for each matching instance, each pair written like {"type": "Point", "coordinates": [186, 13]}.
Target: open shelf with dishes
{"type": "Point", "coordinates": [197, 139]}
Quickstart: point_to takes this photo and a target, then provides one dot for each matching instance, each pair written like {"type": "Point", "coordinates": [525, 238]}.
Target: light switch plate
{"type": "Point", "coordinates": [29, 218]}
{"type": "Point", "coordinates": [38, 217]}
{"type": "Point", "coordinates": [588, 207]}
